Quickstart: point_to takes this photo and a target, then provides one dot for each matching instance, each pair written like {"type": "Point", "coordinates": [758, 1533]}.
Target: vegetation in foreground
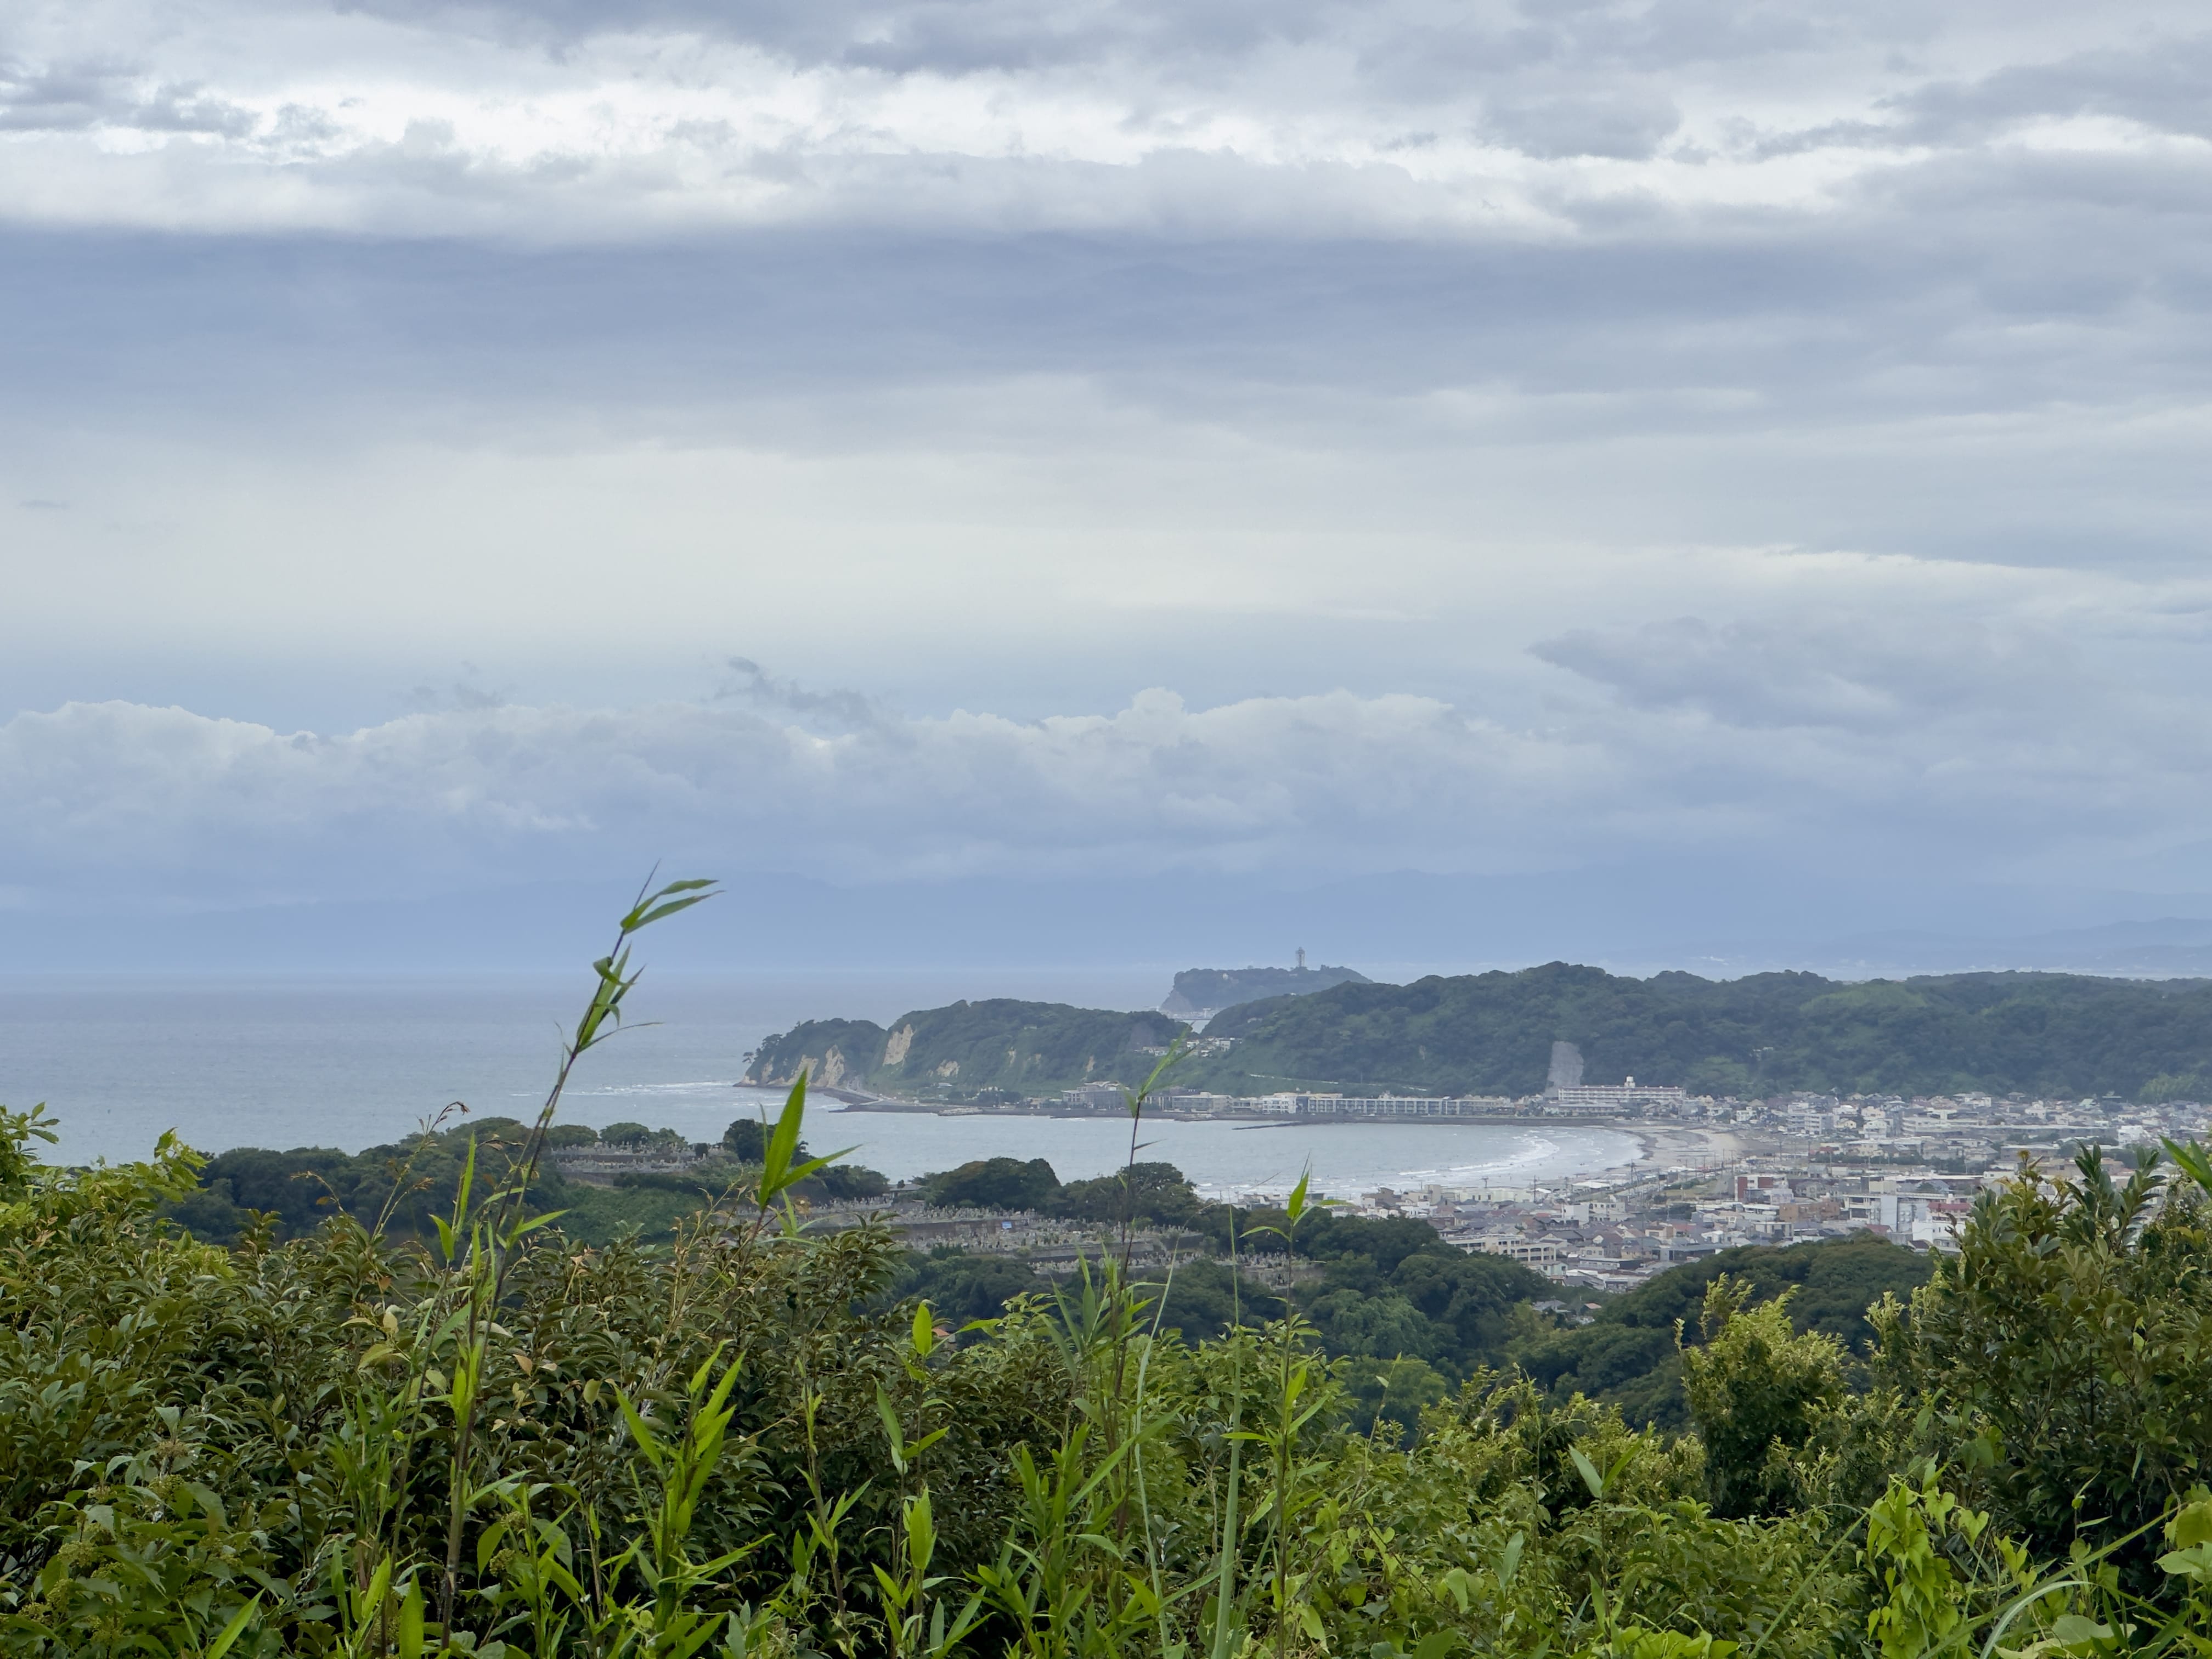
{"type": "Point", "coordinates": [500, 1440]}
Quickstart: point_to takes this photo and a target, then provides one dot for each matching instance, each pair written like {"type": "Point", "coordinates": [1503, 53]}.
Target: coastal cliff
{"type": "Point", "coordinates": [970, 1049]}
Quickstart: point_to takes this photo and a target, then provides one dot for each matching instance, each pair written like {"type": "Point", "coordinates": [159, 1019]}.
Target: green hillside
{"type": "Point", "coordinates": [970, 1049]}
{"type": "Point", "coordinates": [2050, 1034]}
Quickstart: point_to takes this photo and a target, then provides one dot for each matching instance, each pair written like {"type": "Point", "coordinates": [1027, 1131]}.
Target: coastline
{"type": "Point", "coordinates": [1246, 1156]}
{"type": "Point", "coordinates": [1662, 1145]}
{"type": "Point", "coordinates": [1658, 1138]}
{"type": "Point", "coordinates": [1668, 1147]}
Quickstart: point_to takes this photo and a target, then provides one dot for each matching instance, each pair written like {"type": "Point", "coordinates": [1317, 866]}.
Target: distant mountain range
{"type": "Point", "coordinates": [1201, 993]}
{"type": "Point", "coordinates": [2172, 948]}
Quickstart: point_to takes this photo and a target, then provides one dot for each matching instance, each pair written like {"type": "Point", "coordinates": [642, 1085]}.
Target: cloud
{"type": "Point", "coordinates": [1521, 433]}
{"type": "Point", "coordinates": [1883, 681]}
{"type": "Point", "coordinates": [565, 122]}
{"type": "Point", "coordinates": [2162, 89]}
{"type": "Point", "coordinates": [473, 791]}
{"type": "Point", "coordinates": [2007, 737]}
{"type": "Point", "coordinates": [89, 97]}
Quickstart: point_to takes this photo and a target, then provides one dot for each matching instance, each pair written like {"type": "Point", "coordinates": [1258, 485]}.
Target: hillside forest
{"type": "Point", "coordinates": [2054, 1035]}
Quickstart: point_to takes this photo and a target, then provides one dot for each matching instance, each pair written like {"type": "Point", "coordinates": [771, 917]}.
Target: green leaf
{"type": "Point", "coordinates": [468, 1181]}
{"type": "Point", "coordinates": [783, 1142]}
{"type": "Point", "coordinates": [2194, 1161]}
{"type": "Point", "coordinates": [649, 1442]}
{"type": "Point", "coordinates": [893, 1431]}
{"type": "Point", "coordinates": [1588, 1470]}
{"type": "Point", "coordinates": [792, 1177]}
{"type": "Point", "coordinates": [231, 1630]}
{"type": "Point", "coordinates": [706, 1369]}
{"type": "Point", "coordinates": [649, 908]}
{"type": "Point", "coordinates": [1295, 1207]}
{"type": "Point", "coordinates": [668, 909]}
{"type": "Point", "coordinates": [409, 1637]}
{"type": "Point", "coordinates": [1509, 1562]}
{"type": "Point", "coordinates": [719, 1400]}
{"type": "Point", "coordinates": [920, 1532]}
{"type": "Point", "coordinates": [2195, 1562]}
{"type": "Point", "coordinates": [370, 1603]}
{"type": "Point", "coordinates": [2071, 1629]}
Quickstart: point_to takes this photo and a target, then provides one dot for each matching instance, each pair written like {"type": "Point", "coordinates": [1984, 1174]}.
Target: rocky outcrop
{"type": "Point", "coordinates": [967, 1048]}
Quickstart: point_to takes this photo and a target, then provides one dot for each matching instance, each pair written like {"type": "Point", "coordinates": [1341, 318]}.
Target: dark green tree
{"type": "Point", "coordinates": [1157, 1192]}
{"type": "Point", "coordinates": [994, 1183]}
{"type": "Point", "coordinates": [1758, 1390]}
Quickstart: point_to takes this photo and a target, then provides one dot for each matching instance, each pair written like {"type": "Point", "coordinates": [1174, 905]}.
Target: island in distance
{"type": "Point", "coordinates": [1202, 992]}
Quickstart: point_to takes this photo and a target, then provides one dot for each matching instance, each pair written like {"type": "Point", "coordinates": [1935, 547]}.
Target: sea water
{"type": "Point", "coordinates": [359, 1062]}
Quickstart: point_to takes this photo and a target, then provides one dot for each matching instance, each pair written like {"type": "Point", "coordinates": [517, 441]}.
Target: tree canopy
{"type": "Point", "coordinates": [2060, 1035]}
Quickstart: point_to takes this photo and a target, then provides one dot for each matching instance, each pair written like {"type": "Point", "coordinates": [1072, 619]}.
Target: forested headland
{"type": "Point", "coordinates": [994, 1047]}
{"type": "Point", "coordinates": [2060, 1036]}
{"type": "Point", "coordinates": [467, 1431]}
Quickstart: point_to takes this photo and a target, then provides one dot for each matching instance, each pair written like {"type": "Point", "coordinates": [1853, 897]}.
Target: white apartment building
{"type": "Point", "coordinates": [1613, 1097]}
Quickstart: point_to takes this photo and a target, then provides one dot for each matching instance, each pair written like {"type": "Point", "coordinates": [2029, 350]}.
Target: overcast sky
{"type": "Point", "coordinates": [444, 445]}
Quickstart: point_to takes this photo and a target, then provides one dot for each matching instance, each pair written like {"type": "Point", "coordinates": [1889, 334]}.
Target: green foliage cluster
{"type": "Point", "coordinates": [2047, 1034]}
{"type": "Point", "coordinates": [497, 1440]}
{"type": "Point", "coordinates": [2073, 1323]}
{"type": "Point", "coordinates": [1628, 1354]}
{"type": "Point", "coordinates": [1758, 1387]}
{"type": "Point", "coordinates": [1376, 1290]}
{"type": "Point", "coordinates": [404, 1189]}
{"type": "Point", "coordinates": [998, 1046]}
{"type": "Point", "coordinates": [1155, 1195]}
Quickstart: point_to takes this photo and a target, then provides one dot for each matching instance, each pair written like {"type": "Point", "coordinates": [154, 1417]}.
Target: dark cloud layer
{"type": "Point", "coordinates": [2075, 302]}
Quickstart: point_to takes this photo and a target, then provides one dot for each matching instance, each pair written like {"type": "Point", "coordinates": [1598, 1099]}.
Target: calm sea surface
{"type": "Point", "coordinates": [355, 1062]}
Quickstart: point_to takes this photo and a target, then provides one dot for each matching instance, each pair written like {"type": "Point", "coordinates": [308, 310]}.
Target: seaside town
{"type": "Point", "coordinates": [1715, 1173]}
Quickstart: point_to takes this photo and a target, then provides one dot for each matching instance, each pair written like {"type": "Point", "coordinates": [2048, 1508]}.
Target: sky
{"type": "Point", "coordinates": [1489, 480]}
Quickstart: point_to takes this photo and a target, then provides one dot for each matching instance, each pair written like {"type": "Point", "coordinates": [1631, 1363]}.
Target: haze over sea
{"type": "Point", "coordinates": [353, 1062]}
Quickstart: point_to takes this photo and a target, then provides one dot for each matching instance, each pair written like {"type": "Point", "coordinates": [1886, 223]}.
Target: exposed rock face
{"type": "Point", "coordinates": [1027, 1049]}
{"type": "Point", "coordinates": [831, 1052]}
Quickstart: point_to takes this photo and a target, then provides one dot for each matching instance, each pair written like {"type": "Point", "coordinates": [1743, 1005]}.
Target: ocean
{"type": "Point", "coordinates": [355, 1062]}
